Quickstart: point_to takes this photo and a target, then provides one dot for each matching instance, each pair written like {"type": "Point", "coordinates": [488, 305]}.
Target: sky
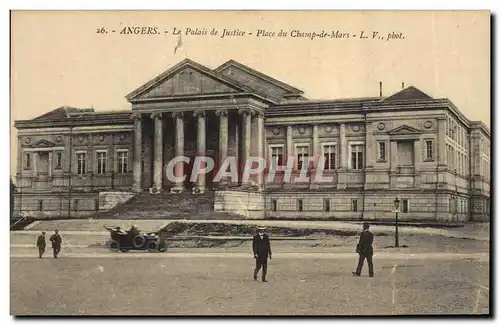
{"type": "Point", "coordinates": [59, 58]}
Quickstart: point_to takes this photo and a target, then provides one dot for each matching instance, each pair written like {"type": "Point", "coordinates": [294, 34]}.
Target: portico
{"type": "Point", "coordinates": [242, 120]}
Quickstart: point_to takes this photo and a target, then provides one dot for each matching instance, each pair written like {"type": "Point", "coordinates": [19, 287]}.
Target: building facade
{"type": "Point", "coordinates": [371, 150]}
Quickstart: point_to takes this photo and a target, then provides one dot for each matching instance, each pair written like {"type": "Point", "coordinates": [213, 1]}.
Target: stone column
{"type": "Point", "coordinates": [370, 145]}
{"type": "Point", "coordinates": [137, 173]}
{"type": "Point", "coordinates": [158, 152]}
{"type": "Point", "coordinates": [441, 143]}
{"type": "Point", "coordinates": [201, 148]}
{"type": "Point", "coordinates": [417, 155]}
{"type": "Point", "coordinates": [179, 150]}
{"type": "Point", "coordinates": [289, 144]}
{"type": "Point", "coordinates": [247, 138]}
{"type": "Point", "coordinates": [35, 164]}
{"type": "Point", "coordinates": [233, 126]}
{"type": "Point", "coordinates": [343, 148]}
{"type": "Point", "coordinates": [394, 156]}
{"type": "Point", "coordinates": [259, 150]}
{"type": "Point", "coordinates": [316, 149]}
{"type": "Point", "coordinates": [50, 164]}
{"type": "Point", "coordinates": [223, 139]}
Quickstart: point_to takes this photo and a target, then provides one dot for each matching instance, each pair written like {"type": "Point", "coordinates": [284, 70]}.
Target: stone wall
{"type": "Point", "coordinates": [108, 200]}
{"type": "Point", "coordinates": [372, 205]}
{"type": "Point", "coordinates": [50, 205]}
{"type": "Point", "coordinates": [249, 204]}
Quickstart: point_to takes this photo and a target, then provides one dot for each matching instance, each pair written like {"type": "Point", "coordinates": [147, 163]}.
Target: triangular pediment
{"type": "Point", "coordinates": [260, 83]}
{"type": "Point", "coordinates": [43, 144]}
{"type": "Point", "coordinates": [404, 129]}
{"type": "Point", "coordinates": [409, 93]}
{"type": "Point", "coordinates": [186, 78]}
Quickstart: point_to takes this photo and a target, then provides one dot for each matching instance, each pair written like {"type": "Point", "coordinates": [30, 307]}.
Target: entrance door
{"type": "Point", "coordinates": [43, 163]}
{"type": "Point", "coordinates": [188, 169]}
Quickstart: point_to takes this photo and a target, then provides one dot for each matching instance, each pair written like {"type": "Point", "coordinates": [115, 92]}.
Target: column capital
{"type": "Point", "coordinates": [221, 112]}
{"type": "Point", "coordinates": [177, 114]}
{"type": "Point", "coordinates": [155, 115]}
{"type": "Point", "coordinates": [136, 116]}
{"type": "Point", "coordinates": [246, 112]}
{"type": "Point", "coordinates": [199, 113]}
{"type": "Point", "coordinates": [258, 114]}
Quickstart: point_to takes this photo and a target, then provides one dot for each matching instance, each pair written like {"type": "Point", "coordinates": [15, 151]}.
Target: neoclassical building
{"type": "Point", "coordinates": [408, 145]}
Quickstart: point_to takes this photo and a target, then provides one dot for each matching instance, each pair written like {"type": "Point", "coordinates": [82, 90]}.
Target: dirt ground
{"type": "Point", "coordinates": [229, 229]}
{"type": "Point", "coordinates": [224, 286]}
{"type": "Point", "coordinates": [310, 274]}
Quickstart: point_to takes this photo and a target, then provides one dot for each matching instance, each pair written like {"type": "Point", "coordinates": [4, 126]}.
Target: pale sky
{"type": "Point", "coordinates": [58, 58]}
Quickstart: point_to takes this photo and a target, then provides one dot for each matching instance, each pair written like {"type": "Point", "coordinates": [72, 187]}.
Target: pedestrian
{"type": "Point", "coordinates": [261, 251]}
{"type": "Point", "coordinates": [365, 250]}
{"type": "Point", "coordinates": [56, 242]}
{"type": "Point", "coordinates": [40, 243]}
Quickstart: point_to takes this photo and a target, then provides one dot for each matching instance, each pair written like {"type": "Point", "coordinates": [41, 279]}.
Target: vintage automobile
{"type": "Point", "coordinates": [133, 239]}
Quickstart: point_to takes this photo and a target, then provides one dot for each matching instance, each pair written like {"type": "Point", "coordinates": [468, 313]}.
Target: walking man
{"type": "Point", "coordinates": [40, 243]}
{"type": "Point", "coordinates": [261, 251]}
{"type": "Point", "coordinates": [365, 250]}
{"type": "Point", "coordinates": [56, 242]}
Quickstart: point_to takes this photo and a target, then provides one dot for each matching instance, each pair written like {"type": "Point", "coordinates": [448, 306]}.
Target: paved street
{"type": "Point", "coordinates": [201, 284]}
{"type": "Point", "coordinates": [441, 271]}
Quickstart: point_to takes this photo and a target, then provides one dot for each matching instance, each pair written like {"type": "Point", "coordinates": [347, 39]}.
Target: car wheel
{"type": "Point", "coordinates": [153, 246]}
{"type": "Point", "coordinates": [138, 241]}
{"type": "Point", "coordinates": [114, 246]}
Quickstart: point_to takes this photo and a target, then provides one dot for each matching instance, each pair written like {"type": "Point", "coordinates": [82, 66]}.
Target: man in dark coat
{"type": "Point", "coordinates": [365, 250]}
{"type": "Point", "coordinates": [40, 243]}
{"type": "Point", "coordinates": [261, 251]}
{"type": "Point", "coordinates": [56, 242]}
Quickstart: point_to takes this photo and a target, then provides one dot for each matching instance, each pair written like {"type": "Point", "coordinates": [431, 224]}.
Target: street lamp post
{"type": "Point", "coordinates": [396, 209]}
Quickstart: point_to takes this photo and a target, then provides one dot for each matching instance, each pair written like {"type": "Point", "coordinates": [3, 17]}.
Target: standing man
{"type": "Point", "coordinates": [56, 242]}
{"type": "Point", "coordinates": [365, 250]}
{"type": "Point", "coordinates": [40, 243]}
{"type": "Point", "coordinates": [261, 251]}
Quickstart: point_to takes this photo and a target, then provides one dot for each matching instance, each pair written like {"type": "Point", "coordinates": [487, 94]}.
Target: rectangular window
{"type": "Point", "coordinates": [75, 205]}
{"type": "Point", "coordinates": [302, 154]}
{"type": "Point", "coordinates": [101, 162]}
{"type": "Point", "coordinates": [381, 151]}
{"type": "Point", "coordinates": [81, 162]}
{"type": "Point", "coordinates": [354, 205]}
{"type": "Point", "coordinates": [40, 205]}
{"type": "Point", "coordinates": [300, 205]}
{"type": "Point", "coordinates": [357, 156]}
{"type": "Point", "coordinates": [276, 156]}
{"type": "Point", "coordinates": [329, 152]}
{"type": "Point", "coordinates": [122, 161]}
{"type": "Point", "coordinates": [429, 150]}
{"type": "Point", "coordinates": [27, 160]}
{"type": "Point", "coordinates": [274, 204]}
{"type": "Point", "coordinates": [58, 160]}
{"type": "Point", "coordinates": [406, 206]}
{"type": "Point", "coordinates": [326, 205]}
{"type": "Point", "coordinates": [96, 205]}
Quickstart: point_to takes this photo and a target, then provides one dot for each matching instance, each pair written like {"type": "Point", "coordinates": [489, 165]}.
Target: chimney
{"type": "Point", "coordinates": [380, 88]}
{"type": "Point", "coordinates": [403, 85]}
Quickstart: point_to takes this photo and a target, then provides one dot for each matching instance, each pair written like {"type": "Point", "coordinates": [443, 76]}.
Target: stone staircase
{"type": "Point", "coordinates": [170, 206]}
